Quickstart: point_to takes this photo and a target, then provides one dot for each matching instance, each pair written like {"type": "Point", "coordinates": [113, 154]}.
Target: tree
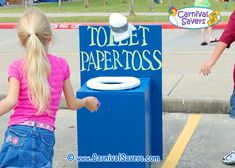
{"type": "Point", "coordinates": [60, 7]}
{"type": "Point", "coordinates": [151, 5]}
{"type": "Point", "coordinates": [86, 3]}
{"type": "Point", "coordinates": [131, 7]}
{"type": "Point", "coordinates": [105, 2]}
{"type": "Point", "coordinates": [28, 4]}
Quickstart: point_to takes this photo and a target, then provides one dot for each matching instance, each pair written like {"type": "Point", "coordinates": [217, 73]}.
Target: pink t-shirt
{"type": "Point", "coordinates": [24, 109]}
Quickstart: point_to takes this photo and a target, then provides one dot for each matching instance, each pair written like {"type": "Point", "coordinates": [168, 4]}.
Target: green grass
{"type": "Point", "coordinates": [98, 19]}
{"type": "Point", "coordinates": [105, 19]}
{"type": "Point", "coordinates": [115, 6]}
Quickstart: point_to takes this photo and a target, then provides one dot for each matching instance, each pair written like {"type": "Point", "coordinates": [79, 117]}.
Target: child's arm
{"type": "Point", "coordinates": [12, 96]}
{"type": "Point", "coordinates": [91, 103]}
{"type": "Point", "coordinates": [227, 38]}
{"type": "Point", "coordinates": [206, 68]}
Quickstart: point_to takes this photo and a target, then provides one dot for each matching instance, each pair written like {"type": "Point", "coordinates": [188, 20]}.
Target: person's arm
{"type": "Point", "coordinates": [206, 68]}
{"type": "Point", "coordinates": [225, 40]}
{"type": "Point", "coordinates": [12, 96]}
{"type": "Point", "coordinates": [91, 103]}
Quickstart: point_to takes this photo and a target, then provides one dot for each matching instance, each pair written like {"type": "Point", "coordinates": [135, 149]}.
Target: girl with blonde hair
{"type": "Point", "coordinates": [35, 86]}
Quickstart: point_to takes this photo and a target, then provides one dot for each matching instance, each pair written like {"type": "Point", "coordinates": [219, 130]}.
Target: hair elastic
{"type": "Point", "coordinates": [32, 33]}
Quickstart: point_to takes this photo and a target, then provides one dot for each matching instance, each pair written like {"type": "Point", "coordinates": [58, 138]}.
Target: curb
{"type": "Point", "coordinates": [180, 105]}
{"type": "Point", "coordinates": [165, 25]}
{"type": "Point", "coordinates": [193, 105]}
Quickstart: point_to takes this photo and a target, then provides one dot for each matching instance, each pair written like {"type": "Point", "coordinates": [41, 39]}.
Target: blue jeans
{"type": "Point", "coordinates": [232, 105]}
{"type": "Point", "coordinates": [27, 147]}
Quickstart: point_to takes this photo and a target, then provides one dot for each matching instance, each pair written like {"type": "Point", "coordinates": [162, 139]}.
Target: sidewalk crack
{"type": "Point", "coordinates": [175, 85]}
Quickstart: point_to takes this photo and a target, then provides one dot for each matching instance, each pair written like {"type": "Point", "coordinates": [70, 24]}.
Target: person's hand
{"type": "Point", "coordinates": [92, 103]}
{"type": "Point", "coordinates": [206, 68]}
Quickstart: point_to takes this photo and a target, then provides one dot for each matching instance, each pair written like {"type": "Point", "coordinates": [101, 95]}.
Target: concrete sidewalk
{"type": "Point", "coordinates": [184, 89]}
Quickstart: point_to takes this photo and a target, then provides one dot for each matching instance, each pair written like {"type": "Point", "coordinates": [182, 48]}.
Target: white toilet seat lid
{"type": "Point", "coordinates": [113, 83]}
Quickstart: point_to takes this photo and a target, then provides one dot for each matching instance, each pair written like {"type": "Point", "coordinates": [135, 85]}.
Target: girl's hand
{"type": "Point", "coordinates": [206, 68]}
{"type": "Point", "coordinates": [92, 103]}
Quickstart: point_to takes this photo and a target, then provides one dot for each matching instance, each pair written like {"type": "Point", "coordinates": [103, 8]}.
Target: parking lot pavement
{"type": "Point", "coordinates": [214, 133]}
{"type": "Point", "coordinates": [212, 139]}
